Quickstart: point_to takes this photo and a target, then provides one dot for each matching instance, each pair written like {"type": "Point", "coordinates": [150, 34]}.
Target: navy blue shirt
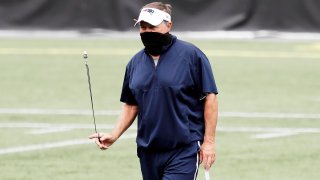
{"type": "Point", "coordinates": [170, 96]}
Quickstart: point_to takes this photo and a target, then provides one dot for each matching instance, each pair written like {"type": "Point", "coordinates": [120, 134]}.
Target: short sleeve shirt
{"type": "Point", "coordinates": [169, 96]}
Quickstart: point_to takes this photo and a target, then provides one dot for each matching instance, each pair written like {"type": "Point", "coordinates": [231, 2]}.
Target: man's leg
{"type": "Point", "coordinates": [150, 164]}
{"type": "Point", "coordinates": [183, 164]}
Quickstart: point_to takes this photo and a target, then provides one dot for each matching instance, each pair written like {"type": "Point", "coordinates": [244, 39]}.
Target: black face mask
{"type": "Point", "coordinates": [155, 43]}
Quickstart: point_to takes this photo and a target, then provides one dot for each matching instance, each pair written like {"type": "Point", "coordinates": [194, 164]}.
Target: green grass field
{"type": "Point", "coordinates": [269, 101]}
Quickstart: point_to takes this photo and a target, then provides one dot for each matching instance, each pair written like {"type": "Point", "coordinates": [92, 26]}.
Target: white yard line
{"type": "Point", "coordinates": [50, 130]}
{"type": "Point", "coordinates": [128, 52]}
{"type": "Point", "coordinates": [270, 115]}
{"type": "Point", "coordinates": [261, 133]}
{"type": "Point", "coordinates": [275, 135]}
{"type": "Point", "coordinates": [44, 128]}
{"type": "Point", "coordinates": [268, 133]}
{"type": "Point", "coordinates": [58, 111]}
{"type": "Point", "coordinates": [109, 34]}
{"type": "Point", "coordinates": [52, 145]}
{"type": "Point", "coordinates": [34, 147]}
{"type": "Point", "coordinates": [31, 125]}
{"type": "Point", "coordinates": [52, 125]}
{"type": "Point", "coordinates": [116, 113]}
{"type": "Point", "coordinates": [41, 128]}
{"type": "Point", "coordinates": [267, 129]}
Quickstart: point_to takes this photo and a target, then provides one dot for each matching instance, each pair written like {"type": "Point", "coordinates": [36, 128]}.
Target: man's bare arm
{"type": "Point", "coordinates": [208, 153]}
{"type": "Point", "coordinates": [126, 118]}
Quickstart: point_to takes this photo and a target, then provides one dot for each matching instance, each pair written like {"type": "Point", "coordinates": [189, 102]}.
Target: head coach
{"type": "Point", "coordinates": [170, 86]}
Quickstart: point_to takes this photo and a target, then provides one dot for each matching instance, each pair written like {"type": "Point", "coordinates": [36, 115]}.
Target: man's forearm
{"type": "Point", "coordinates": [211, 117]}
{"type": "Point", "coordinates": [126, 118]}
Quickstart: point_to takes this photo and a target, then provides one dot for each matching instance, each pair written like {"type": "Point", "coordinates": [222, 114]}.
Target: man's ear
{"type": "Point", "coordinates": [169, 25]}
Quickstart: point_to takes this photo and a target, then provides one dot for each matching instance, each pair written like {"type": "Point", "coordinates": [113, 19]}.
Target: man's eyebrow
{"type": "Point", "coordinates": [145, 24]}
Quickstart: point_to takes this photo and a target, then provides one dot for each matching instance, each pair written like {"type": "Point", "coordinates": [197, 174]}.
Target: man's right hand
{"type": "Point", "coordinates": [103, 140]}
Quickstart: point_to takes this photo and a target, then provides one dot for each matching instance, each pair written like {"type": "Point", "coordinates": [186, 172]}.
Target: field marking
{"type": "Point", "coordinates": [130, 52]}
{"type": "Point", "coordinates": [275, 135]}
{"type": "Point", "coordinates": [52, 125]}
{"type": "Point", "coordinates": [69, 126]}
{"type": "Point", "coordinates": [109, 34]}
{"type": "Point", "coordinates": [270, 115]}
{"type": "Point", "coordinates": [58, 111]}
{"type": "Point", "coordinates": [116, 113]}
{"type": "Point", "coordinates": [261, 133]}
{"type": "Point", "coordinates": [52, 145]}
{"type": "Point", "coordinates": [50, 130]}
{"type": "Point", "coordinates": [268, 133]}
{"type": "Point", "coordinates": [67, 51]}
{"type": "Point", "coordinates": [45, 128]}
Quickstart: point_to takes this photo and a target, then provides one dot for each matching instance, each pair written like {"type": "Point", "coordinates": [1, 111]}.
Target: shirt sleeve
{"type": "Point", "coordinates": [126, 94]}
{"type": "Point", "coordinates": [206, 82]}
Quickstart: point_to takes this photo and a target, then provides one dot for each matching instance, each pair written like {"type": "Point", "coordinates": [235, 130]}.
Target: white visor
{"type": "Point", "coordinates": [153, 16]}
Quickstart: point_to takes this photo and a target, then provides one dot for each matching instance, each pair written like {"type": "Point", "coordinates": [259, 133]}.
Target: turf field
{"type": "Point", "coordinates": [269, 93]}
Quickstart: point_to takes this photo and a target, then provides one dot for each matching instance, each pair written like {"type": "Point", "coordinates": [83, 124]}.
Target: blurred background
{"type": "Point", "coordinates": [188, 15]}
{"type": "Point", "coordinates": [265, 55]}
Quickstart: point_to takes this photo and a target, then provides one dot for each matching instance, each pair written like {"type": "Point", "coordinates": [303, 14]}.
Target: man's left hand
{"type": "Point", "coordinates": [207, 154]}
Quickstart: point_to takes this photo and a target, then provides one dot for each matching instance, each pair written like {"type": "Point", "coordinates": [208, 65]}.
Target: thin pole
{"type": "Point", "coordinates": [85, 56]}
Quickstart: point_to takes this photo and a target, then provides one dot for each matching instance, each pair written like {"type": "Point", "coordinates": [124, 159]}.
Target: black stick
{"type": "Point", "coordinates": [85, 56]}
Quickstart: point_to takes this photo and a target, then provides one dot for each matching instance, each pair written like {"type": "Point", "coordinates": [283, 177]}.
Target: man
{"type": "Point", "coordinates": [170, 86]}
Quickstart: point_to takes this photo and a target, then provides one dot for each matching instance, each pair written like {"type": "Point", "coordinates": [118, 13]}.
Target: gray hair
{"type": "Point", "coordinates": [159, 5]}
